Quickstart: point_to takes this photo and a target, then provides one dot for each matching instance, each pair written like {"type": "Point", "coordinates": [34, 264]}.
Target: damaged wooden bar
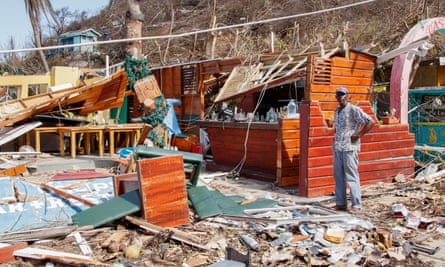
{"type": "Point", "coordinates": [298, 152]}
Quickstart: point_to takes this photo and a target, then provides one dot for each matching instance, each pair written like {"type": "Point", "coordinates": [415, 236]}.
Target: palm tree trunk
{"type": "Point", "coordinates": [35, 8]}
{"type": "Point", "coordinates": [37, 39]}
{"type": "Point", "coordinates": [134, 21]}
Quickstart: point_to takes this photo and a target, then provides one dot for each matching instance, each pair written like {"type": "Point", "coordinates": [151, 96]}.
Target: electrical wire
{"type": "Point", "coordinates": [237, 169]}
{"type": "Point", "coordinates": [180, 35]}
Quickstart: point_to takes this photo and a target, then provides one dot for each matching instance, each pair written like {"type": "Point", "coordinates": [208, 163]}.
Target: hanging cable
{"type": "Point", "coordinates": [180, 35]}
{"type": "Point", "coordinates": [237, 169]}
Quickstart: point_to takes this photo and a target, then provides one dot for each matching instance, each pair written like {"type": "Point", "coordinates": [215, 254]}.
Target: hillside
{"type": "Point", "coordinates": [374, 26]}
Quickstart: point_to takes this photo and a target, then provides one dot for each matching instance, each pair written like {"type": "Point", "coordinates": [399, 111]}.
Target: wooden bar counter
{"type": "Point", "coordinates": [258, 151]}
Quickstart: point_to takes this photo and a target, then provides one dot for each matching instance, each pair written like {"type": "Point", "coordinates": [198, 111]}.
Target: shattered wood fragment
{"type": "Point", "coordinates": [67, 195]}
{"type": "Point", "coordinates": [177, 234]}
{"type": "Point", "coordinates": [13, 171]}
{"type": "Point", "coordinates": [248, 201]}
{"type": "Point", "coordinates": [37, 234]}
{"type": "Point", "coordinates": [384, 236]}
{"type": "Point", "coordinates": [57, 256]}
{"type": "Point", "coordinates": [113, 242]}
{"type": "Point", "coordinates": [83, 244]}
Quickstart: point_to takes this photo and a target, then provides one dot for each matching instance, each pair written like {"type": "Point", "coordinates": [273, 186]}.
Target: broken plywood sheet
{"type": "Point", "coordinates": [240, 80]}
{"type": "Point", "coordinates": [37, 208]}
{"type": "Point", "coordinates": [163, 190]}
{"type": "Point", "coordinates": [18, 131]}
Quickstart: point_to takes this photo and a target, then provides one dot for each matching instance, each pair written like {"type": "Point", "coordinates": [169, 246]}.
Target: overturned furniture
{"type": "Point", "coordinates": [194, 159]}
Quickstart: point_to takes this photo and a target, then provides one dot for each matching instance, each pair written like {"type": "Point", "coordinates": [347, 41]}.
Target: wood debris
{"type": "Point", "coordinates": [295, 233]}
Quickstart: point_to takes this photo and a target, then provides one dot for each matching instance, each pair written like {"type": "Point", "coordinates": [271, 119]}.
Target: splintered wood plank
{"type": "Point", "coordinates": [163, 190]}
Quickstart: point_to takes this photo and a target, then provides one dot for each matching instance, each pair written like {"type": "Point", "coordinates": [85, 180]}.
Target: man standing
{"type": "Point", "coordinates": [350, 124]}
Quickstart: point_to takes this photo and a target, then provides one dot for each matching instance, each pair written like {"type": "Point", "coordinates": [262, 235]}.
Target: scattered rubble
{"type": "Point", "coordinates": [401, 224]}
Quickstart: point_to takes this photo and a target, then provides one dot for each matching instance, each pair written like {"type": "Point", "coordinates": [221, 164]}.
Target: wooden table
{"type": "Point", "coordinates": [40, 130]}
{"type": "Point", "coordinates": [132, 131]}
{"type": "Point", "coordinates": [87, 131]}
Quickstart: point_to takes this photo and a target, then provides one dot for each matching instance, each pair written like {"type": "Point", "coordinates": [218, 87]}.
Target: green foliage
{"type": "Point", "coordinates": [12, 70]}
{"type": "Point", "coordinates": [136, 69]}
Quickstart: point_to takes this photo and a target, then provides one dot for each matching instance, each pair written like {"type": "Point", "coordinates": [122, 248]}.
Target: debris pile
{"type": "Point", "coordinates": [246, 222]}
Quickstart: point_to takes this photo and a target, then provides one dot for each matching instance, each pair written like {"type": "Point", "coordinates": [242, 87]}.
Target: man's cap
{"type": "Point", "coordinates": [342, 90]}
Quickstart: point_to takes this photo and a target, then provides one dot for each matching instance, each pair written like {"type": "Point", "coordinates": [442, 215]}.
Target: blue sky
{"type": "Point", "coordinates": [15, 22]}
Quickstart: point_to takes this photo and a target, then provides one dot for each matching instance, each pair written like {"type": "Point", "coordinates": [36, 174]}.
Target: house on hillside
{"type": "Point", "coordinates": [78, 37]}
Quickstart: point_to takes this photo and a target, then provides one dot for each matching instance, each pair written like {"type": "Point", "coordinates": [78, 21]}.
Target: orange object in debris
{"type": "Point", "coordinates": [185, 142]}
{"type": "Point", "coordinates": [196, 148]}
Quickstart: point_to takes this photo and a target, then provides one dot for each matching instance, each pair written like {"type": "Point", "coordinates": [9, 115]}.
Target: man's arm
{"type": "Point", "coordinates": [368, 126]}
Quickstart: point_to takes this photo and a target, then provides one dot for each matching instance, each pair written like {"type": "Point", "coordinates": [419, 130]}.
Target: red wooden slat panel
{"type": "Point", "coordinates": [407, 152]}
{"type": "Point", "coordinates": [385, 145]}
{"type": "Point", "coordinates": [163, 190]}
{"type": "Point", "coordinates": [352, 72]}
{"type": "Point", "coordinates": [290, 180]}
{"type": "Point", "coordinates": [319, 151]}
{"type": "Point", "coordinates": [347, 63]}
{"type": "Point", "coordinates": [320, 161]}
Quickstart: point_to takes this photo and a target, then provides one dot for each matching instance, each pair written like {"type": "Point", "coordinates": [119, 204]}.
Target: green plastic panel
{"type": "Point", "coordinates": [109, 211]}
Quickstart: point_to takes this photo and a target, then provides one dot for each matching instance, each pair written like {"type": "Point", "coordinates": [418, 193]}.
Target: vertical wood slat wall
{"type": "Point", "coordinates": [261, 147]}
{"type": "Point", "coordinates": [387, 150]}
{"type": "Point", "coordinates": [288, 152]}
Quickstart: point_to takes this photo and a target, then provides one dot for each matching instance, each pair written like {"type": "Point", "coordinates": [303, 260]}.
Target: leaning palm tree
{"type": "Point", "coordinates": [35, 8]}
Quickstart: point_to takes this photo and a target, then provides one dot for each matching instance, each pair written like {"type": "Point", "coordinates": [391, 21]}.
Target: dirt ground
{"type": "Point", "coordinates": [396, 217]}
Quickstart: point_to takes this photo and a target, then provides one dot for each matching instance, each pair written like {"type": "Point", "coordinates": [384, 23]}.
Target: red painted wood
{"type": "Point", "coordinates": [304, 145]}
{"type": "Point", "coordinates": [320, 151]}
{"type": "Point", "coordinates": [321, 141]}
{"type": "Point", "coordinates": [407, 152]}
{"type": "Point", "coordinates": [348, 63]}
{"type": "Point", "coordinates": [320, 161]}
{"type": "Point", "coordinates": [163, 190]}
{"type": "Point", "coordinates": [290, 180]}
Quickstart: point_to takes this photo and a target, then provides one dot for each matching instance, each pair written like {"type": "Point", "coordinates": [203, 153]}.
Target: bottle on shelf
{"type": "Point", "coordinates": [292, 109]}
